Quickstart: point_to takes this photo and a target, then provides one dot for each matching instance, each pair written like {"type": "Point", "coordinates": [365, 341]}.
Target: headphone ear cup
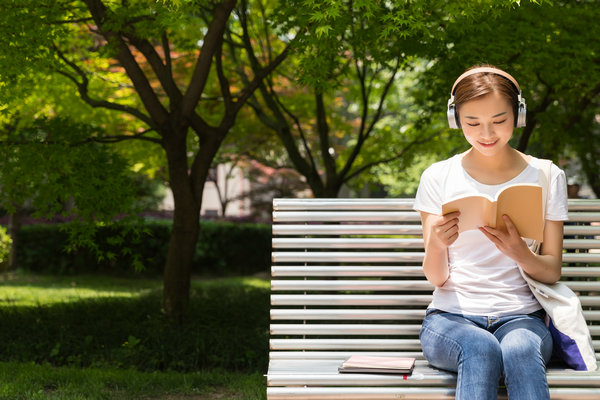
{"type": "Point", "coordinates": [451, 114]}
{"type": "Point", "coordinates": [521, 114]}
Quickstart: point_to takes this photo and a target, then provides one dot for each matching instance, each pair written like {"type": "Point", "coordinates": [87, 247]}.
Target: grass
{"type": "Point", "coordinates": [45, 319]}
{"type": "Point", "coordinates": [28, 381]}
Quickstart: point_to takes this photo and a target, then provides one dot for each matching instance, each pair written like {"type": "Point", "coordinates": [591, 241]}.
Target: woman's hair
{"type": "Point", "coordinates": [481, 84]}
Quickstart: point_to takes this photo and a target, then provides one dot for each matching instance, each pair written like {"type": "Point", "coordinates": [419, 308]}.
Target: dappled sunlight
{"type": "Point", "coordinates": [40, 291]}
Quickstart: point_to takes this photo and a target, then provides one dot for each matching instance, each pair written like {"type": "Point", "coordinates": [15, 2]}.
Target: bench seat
{"type": "Point", "coordinates": [347, 279]}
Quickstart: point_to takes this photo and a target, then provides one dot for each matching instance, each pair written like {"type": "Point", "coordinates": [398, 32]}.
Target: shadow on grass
{"type": "Point", "coordinates": [227, 327]}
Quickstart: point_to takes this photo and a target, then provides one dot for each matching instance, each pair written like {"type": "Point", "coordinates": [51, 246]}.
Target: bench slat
{"type": "Point", "coordinates": [347, 229]}
{"type": "Point", "coordinates": [347, 256]}
{"type": "Point", "coordinates": [346, 216]}
{"type": "Point", "coordinates": [391, 256]}
{"type": "Point", "coordinates": [345, 344]}
{"type": "Point", "coordinates": [335, 314]}
{"type": "Point", "coordinates": [392, 243]}
{"type": "Point", "coordinates": [347, 243]}
{"type": "Point", "coordinates": [351, 300]}
{"type": "Point", "coordinates": [358, 271]}
{"type": "Point", "coordinates": [405, 393]}
{"type": "Point", "coordinates": [346, 314]}
{"type": "Point", "coordinates": [342, 204]}
{"type": "Point", "coordinates": [390, 271]}
{"type": "Point", "coordinates": [345, 329]}
{"type": "Point", "coordinates": [586, 258]}
{"type": "Point", "coordinates": [361, 329]}
{"type": "Point", "coordinates": [388, 285]}
{"type": "Point", "coordinates": [358, 393]}
{"type": "Point", "coordinates": [324, 373]}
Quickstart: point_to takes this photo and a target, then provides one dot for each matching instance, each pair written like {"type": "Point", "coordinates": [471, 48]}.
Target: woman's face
{"type": "Point", "coordinates": [487, 123]}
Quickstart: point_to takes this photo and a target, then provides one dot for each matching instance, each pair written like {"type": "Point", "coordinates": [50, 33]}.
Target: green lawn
{"type": "Point", "coordinates": [96, 375]}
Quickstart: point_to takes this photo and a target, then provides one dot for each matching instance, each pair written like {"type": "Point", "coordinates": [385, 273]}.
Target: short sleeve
{"type": "Point", "coordinates": [429, 193]}
{"type": "Point", "coordinates": [557, 206]}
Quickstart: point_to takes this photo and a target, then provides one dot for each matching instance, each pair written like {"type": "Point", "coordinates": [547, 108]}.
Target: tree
{"type": "Point", "coordinates": [341, 123]}
{"type": "Point", "coordinates": [170, 54]}
{"type": "Point", "coordinates": [552, 51]}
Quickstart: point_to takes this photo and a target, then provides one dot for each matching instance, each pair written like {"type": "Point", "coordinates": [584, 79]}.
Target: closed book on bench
{"type": "Point", "coordinates": [522, 202]}
{"type": "Point", "coordinates": [378, 364]}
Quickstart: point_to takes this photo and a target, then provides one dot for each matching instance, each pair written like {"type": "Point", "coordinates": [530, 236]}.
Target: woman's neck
{"type": "Point", "coordinates": [495, 169]}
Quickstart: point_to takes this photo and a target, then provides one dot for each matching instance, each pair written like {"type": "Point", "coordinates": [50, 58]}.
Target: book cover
{"type": "Point", "coordinates": [378, 364]}
{"type": "Point", "coordinates": [521, 202]}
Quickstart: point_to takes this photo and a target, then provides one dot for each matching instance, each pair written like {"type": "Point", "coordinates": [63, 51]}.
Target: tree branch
{"type": "Point", "coordinates": [83, 87]}
{"type": "Point", "coordinates": [212, 41]}
{"type": "Point", "coordinates": [157, 111]}
{"type": "Point", "coordinates": [367, 166]}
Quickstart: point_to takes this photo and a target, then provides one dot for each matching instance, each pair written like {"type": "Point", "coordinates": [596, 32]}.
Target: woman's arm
{"type": "Point", "coordinates": [544, 267]}
{"type": "Point", "coordinates": [439, 232]}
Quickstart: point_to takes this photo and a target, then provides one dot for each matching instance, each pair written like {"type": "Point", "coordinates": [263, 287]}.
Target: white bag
{"type": "Point", "coordinates": [571, 335]}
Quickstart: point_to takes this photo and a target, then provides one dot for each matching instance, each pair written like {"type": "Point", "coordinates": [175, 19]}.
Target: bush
{"type": "Point", "coordinates": [223, 248]}
{"type": "Point", "coordinates": [227, 327]}
{"type": "Point", "coordinates": [5, 244]}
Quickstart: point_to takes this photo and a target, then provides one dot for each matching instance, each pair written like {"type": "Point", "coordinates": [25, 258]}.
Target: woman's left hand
{"type": "Point", "coordinates": [509, 242]}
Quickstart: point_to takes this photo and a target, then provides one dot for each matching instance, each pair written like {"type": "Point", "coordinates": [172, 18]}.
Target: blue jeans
{"type": "Point", "coordinates": [482, 349]}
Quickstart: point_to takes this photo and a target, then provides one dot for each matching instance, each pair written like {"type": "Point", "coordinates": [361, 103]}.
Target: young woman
{"type": "Point", "coordinates": [484, 323]}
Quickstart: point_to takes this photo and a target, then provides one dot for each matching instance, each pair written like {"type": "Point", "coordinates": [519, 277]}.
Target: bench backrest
{"type": "Point", "coordinates": [347, 277]}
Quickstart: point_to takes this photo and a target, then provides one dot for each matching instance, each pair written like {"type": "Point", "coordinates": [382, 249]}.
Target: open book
{"type": "Point", "coordinates": [522, 202]}
{"type": "Point", "coordinates": [378, 364]}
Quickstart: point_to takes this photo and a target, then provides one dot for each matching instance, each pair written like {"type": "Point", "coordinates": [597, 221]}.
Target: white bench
{"type": "Point", "coordinates": [347, 279]}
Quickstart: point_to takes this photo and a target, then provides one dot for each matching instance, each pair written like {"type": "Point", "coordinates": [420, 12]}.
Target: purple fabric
{"type": "Point", "coordinates": [566, 349]}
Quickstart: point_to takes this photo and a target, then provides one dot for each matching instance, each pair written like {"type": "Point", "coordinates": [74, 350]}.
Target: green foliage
{"type": "Point", "coordinates": [552, 51]}
{"type": "Point", "coordinates": [5, 246]}
{"type": "Point", "coordinates": [223, 248]}
{"type": "Point", "coordinates": [227, 327]}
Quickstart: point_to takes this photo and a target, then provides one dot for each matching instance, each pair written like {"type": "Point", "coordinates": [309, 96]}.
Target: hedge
{"type": "Point", "coordinates": [223, 249]}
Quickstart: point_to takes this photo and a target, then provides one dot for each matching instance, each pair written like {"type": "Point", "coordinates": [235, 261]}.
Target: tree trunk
{"type": "Point", "coordinates": [185, 230]}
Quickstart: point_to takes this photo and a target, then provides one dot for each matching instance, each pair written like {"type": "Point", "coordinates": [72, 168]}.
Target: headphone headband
{"type": "Point", "coordinates": [521, 116]}
{"type": "Point", "coordinates": [486, 69]}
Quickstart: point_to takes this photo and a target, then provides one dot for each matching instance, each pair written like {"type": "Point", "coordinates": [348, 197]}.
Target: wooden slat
{"type": "Point", "coordinates": [347, 271]}
{"type": "Point", "coordinates": [359, 300]}
{"type": "Point", "coordinates": [585, 258]}
{"type": "Point", "coordinates": [342, 204]}
{"type": "Point", "coordinates": [345, 344]}
{"type": "Point", "coordinates": [348, 256]}
{"type": "Point", "coordinates": [584, 216]}
{"type": "Point", "coordinates": [345, 329]}
{"type": "Point", "coordinates": [347, 243]}
{"type": "Point", "coordinates": [370, 285]}
{"type": "Point", "coordinates": [582, 230]}
{"type": "Point", "coordinates": [360, 329]}
{"type": "Point", "coordinates": [391, 271]}
{"type": "Point", "coordinates": [345, 216]}
{"type": "Point", "coordinates": [368, 314]}
{"type": "Point", "coordinates": [347, 229]}
{"type": "Point", "coordinates": [346, 314]}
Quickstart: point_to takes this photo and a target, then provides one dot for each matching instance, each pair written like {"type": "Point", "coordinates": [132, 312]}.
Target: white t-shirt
{"type": "Point", "coordinates": [482, 280]}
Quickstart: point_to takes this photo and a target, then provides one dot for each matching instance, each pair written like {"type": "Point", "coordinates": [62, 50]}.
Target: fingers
{"type": "Point", "coordinates": [446, 228]}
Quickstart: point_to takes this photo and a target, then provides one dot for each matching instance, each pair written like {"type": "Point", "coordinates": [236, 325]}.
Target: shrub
{"type": "Point", "coordinates": [5, 244]}
{"type": "Point", "coordinates": [223, 248]}
{"type": "Point", "coordinates": [227, 327]}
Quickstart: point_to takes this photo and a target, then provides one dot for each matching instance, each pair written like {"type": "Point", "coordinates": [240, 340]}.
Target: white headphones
{"type": "Point", "coordinates": [521, 109]}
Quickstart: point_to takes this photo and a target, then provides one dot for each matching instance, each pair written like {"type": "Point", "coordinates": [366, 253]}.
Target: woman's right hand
{"type": "Point", "coordinates": [443, 229]}
{"type": "Point", "coordinates": [439, 232]}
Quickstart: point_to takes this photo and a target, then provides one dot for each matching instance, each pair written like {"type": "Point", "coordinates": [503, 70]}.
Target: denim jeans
{"type": "Point", "coordinates": [482, 349]}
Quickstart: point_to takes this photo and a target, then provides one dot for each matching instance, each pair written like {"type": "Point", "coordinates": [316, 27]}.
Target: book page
{"type": "Point", "coordinates": [523, 204]}
{"type": "Point", "coordinates": [475, 211]}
